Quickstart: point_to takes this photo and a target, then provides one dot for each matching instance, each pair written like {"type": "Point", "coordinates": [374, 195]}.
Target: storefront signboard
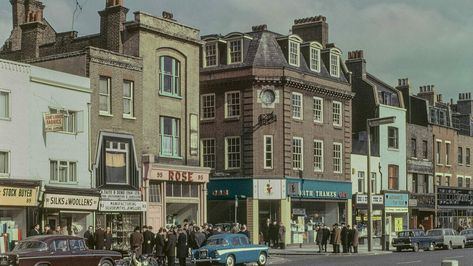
{"type": "Point", "coordinates": [177, 175]}
{"type": "Point", "coordinates": [447, 196]}
{"type": "Point", "coordinates": [17, 196]}
{"type": "Point", "coordinates": [76, 202]}
{"type": "Point", "coordinates": [317, 189]}
{"type": "Point", "coordinates": [269, 189]}
{"type": "Point", "coordinates": [111, 194]}
{"type": "Point", "coordinates": [298, 212]}
{"type": "Point", "coordinates": [396, 210]}
{"type": "Point", "coordinates": [396, 200]}
{"type": "Point", "coordinates": [224, 189]}
{"type": "Point", "coordinates": [375, 199]}
{"type": "Point", "coordinates": [122, 206]}
{"type": "Point", "coordinates": [53, 122]}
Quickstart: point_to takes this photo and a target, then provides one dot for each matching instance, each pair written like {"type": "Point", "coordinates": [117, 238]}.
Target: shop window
{"type": "Point", "coordinates": [122, 225]}
{"type": "Point", "coordinates": [170, 137]}
{"type": "Point", "coordinates": [4, 163]}
{"type": "Point", "coordinates": [116, 158]}
{"type": "Point", "coordinates": [393, 138]}
{"type": "Point", "coordinates": [154, 192]}
{"type": "Point", "coordinates": [393, 177]}
{"type": "Point", "coordinates": [63, 171]}
{"type": "Point", "coordinates": [105, 90]}
{"type": "Point", "coordinates": [232, 153]}
{"type": "Point", "coordinates": [4, 104]}
{"type": "Point", "coordinates": [128, 99]}
{"type": "Point", "coordinates": [232, 104]}
{"type": "Point", "coordinates": [208, 153]}
{"type": "Point", "coordinates": [169, 76]}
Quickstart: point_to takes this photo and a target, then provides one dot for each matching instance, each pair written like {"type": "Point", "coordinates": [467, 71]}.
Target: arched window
{"type": "Point", "coordinates": [169, 76]}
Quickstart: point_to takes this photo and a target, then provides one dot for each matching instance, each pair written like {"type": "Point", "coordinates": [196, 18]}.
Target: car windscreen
{"type": "Point", "coordinates": [434, 233]}
{"type": "Point", "coordinates": [404, 234]}
{"type": "Point", "coordinates": [31, 245]}
{"type": "Point", "coordinates": [217, 242]}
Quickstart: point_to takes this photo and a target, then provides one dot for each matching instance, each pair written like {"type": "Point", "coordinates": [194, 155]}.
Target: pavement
{"type": "Point", "coordinates": [312, 249]}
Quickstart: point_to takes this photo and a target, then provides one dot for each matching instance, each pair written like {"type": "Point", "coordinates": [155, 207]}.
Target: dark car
{"type": "Point", "coordinates": [56, 250]}
{"type": "Point", "coordinates": [412, 239]}
{"type": "Point", "coordinates": [468, 233]}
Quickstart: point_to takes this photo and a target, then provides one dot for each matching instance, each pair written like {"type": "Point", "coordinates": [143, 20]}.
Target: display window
{"type": "Point", "coordinates": [12, 227]}
{"type": "Point", "coordinates": [122, 225]}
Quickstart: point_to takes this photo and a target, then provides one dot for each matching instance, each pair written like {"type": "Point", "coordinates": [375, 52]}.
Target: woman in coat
{"type": "Point", "coordinates": [337, 238]}
{"type": "Point", "coordinates": [355, 241]}
{"type": "Point", "coordinates": [159, 240]}
{"type": "Point", "coordinates": [282, 235]}
{"type": "Point", "coordinates": [182, 250]}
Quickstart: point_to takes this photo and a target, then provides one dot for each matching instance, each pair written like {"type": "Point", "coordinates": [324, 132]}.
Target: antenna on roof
{"type": "Point", "coordinates": [78, 8]}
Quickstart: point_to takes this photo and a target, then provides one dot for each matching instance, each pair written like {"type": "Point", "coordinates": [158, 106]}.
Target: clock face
{"type": "Point", "coordinates": [268, 97]}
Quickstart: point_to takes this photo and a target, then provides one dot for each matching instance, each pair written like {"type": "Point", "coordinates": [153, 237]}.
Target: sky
{"type": "Point", "coordinates": [427, 41]}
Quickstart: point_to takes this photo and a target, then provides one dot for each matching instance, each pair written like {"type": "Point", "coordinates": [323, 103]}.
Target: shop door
{"type": "Point", "coordinates": [52, 221]}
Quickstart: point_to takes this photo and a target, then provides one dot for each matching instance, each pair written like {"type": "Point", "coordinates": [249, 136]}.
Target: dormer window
{"type": "Point", "coordinates": [315, 57]}
{"type": "Point", "coordinates": [235, 51]}
{"type": "Point", "coordinates": [335, 63]}
{"type": "Point", "coordinates": [210, 54]}
{"type": "Point", "coordinates": [294, 50]}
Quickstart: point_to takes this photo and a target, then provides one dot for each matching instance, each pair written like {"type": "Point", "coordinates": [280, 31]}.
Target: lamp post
{"type": "Point", "coordinates": [374, 122]}
{"type": "Point", "coordinates": [236, 206]}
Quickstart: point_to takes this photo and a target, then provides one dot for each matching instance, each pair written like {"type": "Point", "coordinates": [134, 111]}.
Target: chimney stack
{"type": "Point", "coordinates": [356, 63]}
{"type": "Point", "coordinates": [312, 29]}
{"type": "Point", "coordinates": [168, 15]}
{"type": "Point", "coordinates": [427, 92]}
{"type": "Point", "coordinates": [258, 28]}
{"type": "Point", "coordinates": [111, 25]}
{"type": "Point", "coordinates": [31, 36]}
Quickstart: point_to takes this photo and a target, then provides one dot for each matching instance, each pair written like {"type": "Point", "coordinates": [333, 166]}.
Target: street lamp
{"type": "Point", "coordinates": [236, 205]}
{"type": "Point", "coordinates": [373, 122]}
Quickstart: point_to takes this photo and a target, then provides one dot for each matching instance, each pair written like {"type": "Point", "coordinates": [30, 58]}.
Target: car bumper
{"type": "Point", "coordinates": [210, 260]}
{"type": "Point", "coordinates": [403, 245]}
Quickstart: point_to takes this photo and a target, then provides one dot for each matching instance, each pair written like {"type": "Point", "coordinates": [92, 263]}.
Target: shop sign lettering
{"type": "Point", "coordinates": [59, 201]}
{"type": "Point", "coordinates": [179, 176]}
{"type": "Point", "coordinates": [122, 206]}
{"type": "Point", "coordinates": [110, 194]}
{"type": "Point", "coordinates": [324, 194]}
{"type": "Point", "coordinates": [53, 122]}
{"type": "Point", "coordinates": [15, 196]}
{"type": "Point", "coordinates": [363, 199]}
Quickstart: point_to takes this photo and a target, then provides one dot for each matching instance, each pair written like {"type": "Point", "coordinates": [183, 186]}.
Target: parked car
{"type": "Point", "coordinates": [229, 250]}
{"type": "Point", "coordinates": [446, 238]}
{"type": "Point", "coordinates": [414, 239]}
{"type": "Point", "coordinates": [468, 233]}
{"type": "Point", "coordinates": [57, 250]}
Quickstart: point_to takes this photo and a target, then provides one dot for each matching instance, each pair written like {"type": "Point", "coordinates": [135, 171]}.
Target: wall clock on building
{"type": "Point", "coordinates": [267, 96]}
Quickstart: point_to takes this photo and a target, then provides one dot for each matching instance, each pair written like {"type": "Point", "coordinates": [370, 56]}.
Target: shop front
{"type": "Point", "coordinates": [176, 194]}
{"type": "Point", "coordinates": [121, 210]}
{"type": "Point", "coordinates": [72, 209]}
{"type": "Point", "coordinates": [454, 207]}
{"type": "Point", "coordinates": [316, 202]}
{"type": "Point", "coordinates": [18, 210]}
{"type": "Point", "coordinates": [395, 215]}
{"type": "Point", "coordinates": [422, 210]}
{"type": "Point", "coordinates": [360, 214]}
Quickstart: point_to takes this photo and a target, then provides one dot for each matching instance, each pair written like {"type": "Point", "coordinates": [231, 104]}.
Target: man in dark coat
{"type": "Point", "coordinates": [148, 244]}
{"type": "Point", "coordinates": [99, 238]}
{"type": "Point", "coordinates": [199, 238]}
{"type": "Point", "coordinates": [47, 230]}
{"type": "Point", "coordinates": [265, 229]}
{"type": "Point", "coordinates": [350, 238]}
{"type": "Point", "coordinates": [344, 238]}
{"type": "Point", "coordinates": [90, 238]}
{"type": "Point", "coordinates": [160, 245]}
{"type": "Point", "coordinates": [108, 238]}
{"type": "Point", "coordinates": [244, 231]}
{"type": "Point", "coordinates": [35, 230]}
{"type": "Point", "coordinates": [136, 241]}
{"type": "Point", "coordinates": [325, 237]}
{"type": "Point", "coordinates": [170, 248]}
{"type": "Point", "coordinates": [182, 250]}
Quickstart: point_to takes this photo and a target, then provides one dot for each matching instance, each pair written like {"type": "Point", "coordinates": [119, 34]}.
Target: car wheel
{"type": "Point", "coordinates": [230, 261]}
{"type": "Point", "coordinates": [416, 247]}
{"type": "Point", "coordinates": [106, 263]}
{"type": "Point", "coordinates": [398, 249]}
{"type": "Point", "coordinates": [262, 259]}
{"type": "Point", "coordinates": [431, 247]}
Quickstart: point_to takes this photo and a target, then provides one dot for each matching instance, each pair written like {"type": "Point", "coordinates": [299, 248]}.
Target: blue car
{"type": "Point", "coordinates": [229, 250]}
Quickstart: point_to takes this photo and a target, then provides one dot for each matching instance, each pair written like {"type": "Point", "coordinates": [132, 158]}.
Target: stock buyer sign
{"type": "Point", "coordinates": [59, 201]}
{"type": "Point", "coordinates": [178, 175]}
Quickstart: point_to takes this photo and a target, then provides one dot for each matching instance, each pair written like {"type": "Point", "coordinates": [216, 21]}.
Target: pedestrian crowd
{"type": "Point", "coordinates": [273, 234]}
{"type": "Point", "coordinates": [47, 230]}
{"type": "Point", "coordinates": [342, 235]}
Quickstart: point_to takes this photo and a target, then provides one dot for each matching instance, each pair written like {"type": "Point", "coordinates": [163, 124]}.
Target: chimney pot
{"type": "Point", "coordinates": [167, 15]}
{"type": "Point", "coordinates": [262, 27]}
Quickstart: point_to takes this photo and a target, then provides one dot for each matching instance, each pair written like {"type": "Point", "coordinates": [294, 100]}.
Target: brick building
{"type": "Point", "coordinates": [144, 109]}
{"type": "Point", "coordinates": [276, 128]}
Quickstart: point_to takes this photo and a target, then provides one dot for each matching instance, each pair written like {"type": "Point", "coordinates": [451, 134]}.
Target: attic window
{"type": "Point", "coordinates": [294, 50]}
{"type": "Point", "coordinates": [235, 51]}
{"type": "Point", "coordinates": [315, 57]}
{"type": "Point", "coordinates": [335, 63]}
{"type": "Point", "coordinates": [210, 54]}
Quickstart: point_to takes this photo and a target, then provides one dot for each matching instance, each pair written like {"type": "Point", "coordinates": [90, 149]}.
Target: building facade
{"type": "Point", "coordinates": [275, 128]}
{"type": "Point", "coordinates": [43, 112]}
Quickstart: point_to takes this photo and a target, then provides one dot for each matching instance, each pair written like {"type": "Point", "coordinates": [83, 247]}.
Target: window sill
{"type": "Point", "coordinates": [298, 119]}
{"type": "Point", "coordinates": [318, 122]}
{"type": "Point", "coordinates": [439, 164]}
{"type": "Point", "coordinates": [207, 120]}
{"type": "Point", "coordinates": [129, 117]}
{"type": "Point", "coordinates": [5, 118]}
{"type": "Point", "coordinates": [105, 114]}
{"type": "Point", "coordinates": [171, 156]}
{"type": "Point", "coordinates": [65, 132]}
{"type": "Point", "coordinates": [393, 149]}
{"type": "Point", "coordinates": [63, 183]}
{"type": "Point", "coordinates": [5, 175]}
{"type": "Point", "coordinates": [232, 118]}
{"type": "Point", "coordinates": [318, 171]}
{"type": "Point", "coordinates": [338, 173]}
{"type": "Point", "coordinates": [338, 126]}
{"type": "Point", "coordinates": [448, 165]}
{"type": "Point", "coordinates": [170, 95]}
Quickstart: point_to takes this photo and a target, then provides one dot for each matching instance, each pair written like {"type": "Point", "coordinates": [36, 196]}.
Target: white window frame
{"type": "Point", "coordinates": [438, 157]}
{"type": "Point", "coordinates": [294, 53]}
{"type": "Point", "coordinates": [207, 56]}
{"type": "Point", "coordinates": [301, 154]}
{"type": "Point", "coordinates": [108, 95]}
{"type": "Point", "coordinates": [8, 104]}
{"type": "Point", "coordinates": [462, 179]}
{"type": "Point", "coordinates": [448, 153]}
{"type": "Point", "coordinates": [334, 63]}
{"type": "Point", "coordinates": [396, 139]}
{"type": "Point", "coordinates": [227, 154]}
{"type": "Point", "coordinates": [68, 115]}
{"type": "Point", "coordinates": [119, 149]}
{"type": "Point", "coordinates": [318, 112]}
{"type": "Point", "coordinates": [361, 176]}
{"type": "Point", "coordinates": [230, 52]}
{"type": "Point", "coordinates": [68, 165]}
{"type": "Point", "coordinates": [321, 155]}
{"type": "Point", "coordinates": [314, 60]}
{"type": "Point", "coordinates": [268, 152]}
{"type": "Point", "coordinates": [204, 109]}
{"type": "Point", "coordinates": [206, 154]}
{"type": "Point", "coordinates": [175, 137]}
{"type": "Point", "coordinates": [335, 158]}
{"type": "Point", "coordinates": [175, 74]}
{"type": "Point", "coordinates": [155, 192]}
{"type": "Point", "coordinates": [337, 117]}
{"type": "Point", "coordinates": [227, 105]}
{"type": "Point", "coordinates": [8, 163]}
{"type": "Point", "coordinates": [130, 98]}
{"type": "Point", "coordinates": [300, 107]}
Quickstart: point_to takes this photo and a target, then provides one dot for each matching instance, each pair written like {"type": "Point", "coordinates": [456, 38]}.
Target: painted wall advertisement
{"type": "Point", "coordinates": [59, 201]}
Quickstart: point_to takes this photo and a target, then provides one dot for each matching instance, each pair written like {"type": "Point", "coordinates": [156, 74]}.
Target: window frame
{"type": "Point", "coordinates": [67, 114]}
{"type": "Point", "coordinates": [130, 98]}
{"type": "Point", "coordinates": [395, 166]}
{"type": "Point", "coordinates": [155, 188]}
{"type": "Point", "coordinates": [229, 50]}
{"type": "Point", "coordinates": [321, 155]}
{"type": "Point", "coordinates": [203, 106]}
{"type": "Point", "coordinates": [394, 138]}
{"type": "Point", "coordinates": [460, 155]}
{"type": "Point", "coordinates": [176, 136]}
{"type": "Point", "coordinates": [340, 114]}
{"type": "Point", "coordinates": [227, 93]}
{"type": "Point", "coordinates": [294, 52]}
{"type": "Point", "coordinates": [414, 147]}
{"type": "Point", "coordinates": [267, 152]}
{"type": "Point", "coordinates": [301, 154]}
{"type": "Point", "coordinates": [335, 68]}
{"type": "Point", "coordinates": [448, 146]}
{"type": "Point", "coordinates": [108, 95]}
{"type": "Point", "coordinates": [438, 157]}
{"type": "Point", "coordinates": [362, 179]}
{"type": "Point", "coordinates": [425, 149]}
{"type": "Point", "coordinates": [301, 106]}
{"type": "Point", "coordinates": [203, 154]}
{"type": "Point", "coordinates": [126, 151]}
{"type": "Point", "coordinates": [340, 163]}
{"type": "Point", "coordinates": [467, 156]}
{"type": "Point", "coordinates": [7, 173]}
{"type": "Point", "coordinates": [206, 56]}
{"type": "Point", "coordinates": [318, 48]}
{"type": "Point", "coordinates": [68, 171]}
{"type": "Point", "coordinates": [227, 154]}
{"type": "Point", "coordinates": [319, 119]}
{"type": "Point", "coordinates": [176, 88]}
{"type": "Point", "coordinates": [8, 108]}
